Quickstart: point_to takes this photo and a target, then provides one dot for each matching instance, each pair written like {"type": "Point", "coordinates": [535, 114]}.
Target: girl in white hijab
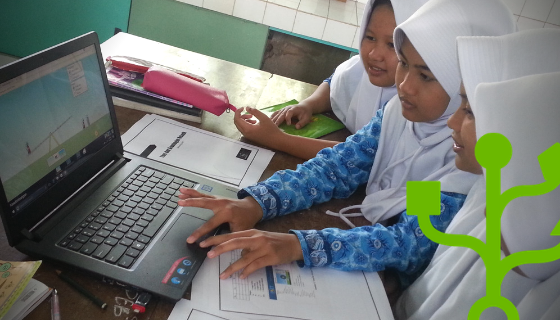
{"type": "Point", "coordinates": [408, 140]}
{"type": "Point", "coordinates": [354, 96]}
{"type": "Point", "coordinates": [357, 89]}
{"type": "Point", "coordinates": [411, 145]}
{"type": "Point", "coordinates": [525, 111]}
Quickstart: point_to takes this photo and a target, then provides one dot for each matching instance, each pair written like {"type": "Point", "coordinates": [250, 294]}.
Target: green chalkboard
{"type": "Point", "coordinates": [28, 26]}
{"type": "Point", "coordinates": [200, 30]}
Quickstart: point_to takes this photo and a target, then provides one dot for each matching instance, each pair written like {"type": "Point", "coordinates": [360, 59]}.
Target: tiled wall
{"type": "Point", "coordinates": [327, 20]}
{"type": "Point", "coordinates": [532, 14]}
{"type": "Point", "coordinates": [338, 22]}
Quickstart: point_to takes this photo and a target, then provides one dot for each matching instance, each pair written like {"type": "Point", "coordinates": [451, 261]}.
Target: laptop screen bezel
{"type": "Point", "coordinates": [40, 208]}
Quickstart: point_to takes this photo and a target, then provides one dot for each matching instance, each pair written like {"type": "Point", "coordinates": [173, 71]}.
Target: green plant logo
{"type": "Point", "coordinates": [493, 151]}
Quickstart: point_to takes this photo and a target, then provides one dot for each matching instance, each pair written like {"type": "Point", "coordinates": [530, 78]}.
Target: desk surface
{"type": "Point", "coordinates": [245, 87]}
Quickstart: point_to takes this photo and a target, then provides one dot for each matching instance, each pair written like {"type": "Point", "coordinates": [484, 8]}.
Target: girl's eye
{"type": "Point", "coordinates": [468, 111]}
{"type": "Point", "coordinates": [402, 63]}
{"type": "Point", "coordinates": [391, 45]}
{"type": "Point", "coordinates": [425, 77]}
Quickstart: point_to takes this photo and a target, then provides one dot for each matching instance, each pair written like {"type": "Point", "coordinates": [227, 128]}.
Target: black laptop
{"type": "Point", "coordinates": [69, 193]}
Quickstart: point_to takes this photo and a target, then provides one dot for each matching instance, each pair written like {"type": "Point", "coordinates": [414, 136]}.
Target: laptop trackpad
{"type": "Point", "coordinates": [174, 261]}
{"type": "Point", "coordinates": [182, 228]}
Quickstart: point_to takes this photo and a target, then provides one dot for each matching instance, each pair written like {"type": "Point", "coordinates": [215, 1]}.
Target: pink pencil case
{"type": "Point", "coordinates": [170, 84]}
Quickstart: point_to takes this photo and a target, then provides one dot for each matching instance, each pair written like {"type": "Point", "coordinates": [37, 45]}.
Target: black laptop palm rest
{"type": "Point", "coordinates": [122, 227]}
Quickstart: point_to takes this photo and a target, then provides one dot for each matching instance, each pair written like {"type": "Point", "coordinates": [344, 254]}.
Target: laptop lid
{"type": "Point", "coordinates": [58, 129]}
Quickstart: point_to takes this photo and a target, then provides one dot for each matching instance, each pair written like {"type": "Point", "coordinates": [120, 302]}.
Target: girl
{"type": "Point", "coordinates": [455, 278]}
{"type": "Point", "coordinates": [408, 140]}
{"type": "Point", "coordinates": [359, 86]}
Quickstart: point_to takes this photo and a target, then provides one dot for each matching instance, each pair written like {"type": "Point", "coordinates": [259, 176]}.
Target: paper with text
{"type": "Point", "coordinates": [202, 152]}
{"type": "Point", "coordinates": [299, 293]}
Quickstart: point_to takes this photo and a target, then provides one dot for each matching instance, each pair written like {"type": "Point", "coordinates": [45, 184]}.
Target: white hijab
{"type": "Point", "coordinates": [543, 301]}
{"type": "Point", "coordinates": [415, 151]}
{"type": "Point", "coordinates": [530, 103]}
{"type": "Point", "coordinates": [455, 278]}
{"type": "Point", "coordinates": [512, 56]}
{"type": "Point", "coordinates": [354, 99]}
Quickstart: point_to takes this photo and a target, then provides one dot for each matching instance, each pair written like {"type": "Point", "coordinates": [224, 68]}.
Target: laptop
{"type": "Point", "coordinates": [68, 191]}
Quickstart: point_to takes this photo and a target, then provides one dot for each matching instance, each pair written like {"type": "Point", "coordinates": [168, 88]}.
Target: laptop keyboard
{"type": "Point", "coordinates": [122, 227]}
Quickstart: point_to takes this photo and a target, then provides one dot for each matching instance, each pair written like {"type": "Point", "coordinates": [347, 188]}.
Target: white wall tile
{"type": "Point", "coordinates": [526, 23]}
{"type": "Point", "coordinates": [356, 43]}
{"type": "Point", "coordinates": [339, 33]}
{"type": "Point", "coordinates": [338, 22]}
{"type": "Point", "coordinates": [360, 5]}
{"type": "Point", "coordinates": [316, 7]}
{"type": "Point", "coordinates": [197, 3]}
{"type": "Point", "coordinates": [223, 6]}
{"type": "Point", "coordinates": [293, 4]}
{"type": "Point", "coordinates": [343, 12]}
{"type": "Point", "coordinates": [279, 17]}
{"type": "Point", "coordinates": [252, 10]}
{"type": "Point", "coordinates": [515, 5]}
{"type": "Point", "coordinates": [537, 9]}
{"type": "Point", "coordinates": [554, 16]}
{"type": "Point", "coordinates": [309, 25]}
{"type": "Point", "coordinates": [360, 14]}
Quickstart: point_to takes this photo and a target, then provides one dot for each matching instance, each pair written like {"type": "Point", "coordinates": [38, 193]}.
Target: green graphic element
{"type": "Point", "coordinates": [493, 151]}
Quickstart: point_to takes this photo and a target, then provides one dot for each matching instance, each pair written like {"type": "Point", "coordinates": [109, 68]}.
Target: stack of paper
{"type": "Point", "coordinates": [283, 292]}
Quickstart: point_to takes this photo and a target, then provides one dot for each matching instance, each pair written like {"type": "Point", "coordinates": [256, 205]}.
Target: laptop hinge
{"type": "Point", "coordinates": [30, 235]}
{"type": "Point", "coordinates": [46, 223]}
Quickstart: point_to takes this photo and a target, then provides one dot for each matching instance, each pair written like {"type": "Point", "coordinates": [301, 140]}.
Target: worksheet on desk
{"type": "Point", "coordinates": [285, 292]}
{"type": "Point", "coordinates": [302, 293]}
{"type": "Point", "coordinates": [202, 152]}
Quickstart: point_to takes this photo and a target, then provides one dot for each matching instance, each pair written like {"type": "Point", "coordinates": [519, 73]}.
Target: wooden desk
{"type": "Point", "coordinates": [245, 87]}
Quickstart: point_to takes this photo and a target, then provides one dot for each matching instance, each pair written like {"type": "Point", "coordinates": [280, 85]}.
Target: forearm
{"type": "Point", "coordinates": [320, 100]}
{"type": "Point", "coordinates": [374, 248]}
{"type": "Point", "coordinates": [301, 147]}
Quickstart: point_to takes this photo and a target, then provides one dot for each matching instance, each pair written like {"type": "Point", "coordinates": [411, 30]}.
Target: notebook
{"type": "Point", "coordinates": [70, 194]}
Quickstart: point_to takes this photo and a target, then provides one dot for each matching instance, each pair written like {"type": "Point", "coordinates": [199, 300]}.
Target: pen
{"type": "Point", "coordinates": [55, 307]}
{"type": "Point", "coordinates": [82, 290]}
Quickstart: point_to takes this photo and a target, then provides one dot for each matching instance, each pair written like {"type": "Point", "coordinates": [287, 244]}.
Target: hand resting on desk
{"type": "Point", "coordinates": [239, 214]}
{"type": "Point", "coordinates": [259, 249]}
{"type": "Point", "coordinates": [300, 111]}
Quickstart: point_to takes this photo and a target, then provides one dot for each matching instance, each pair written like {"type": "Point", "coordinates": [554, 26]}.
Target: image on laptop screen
{"type": "Point", "coordinates": [51, 119]}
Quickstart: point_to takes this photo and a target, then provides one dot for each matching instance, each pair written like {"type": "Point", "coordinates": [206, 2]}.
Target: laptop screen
{"type": "Point", "coordinates": [52, 119]}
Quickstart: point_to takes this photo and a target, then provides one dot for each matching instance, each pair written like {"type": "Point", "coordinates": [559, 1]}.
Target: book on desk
{"type": "Point", "coordinates": [19, 292]}
{"type": "Point", "coordinates": [126, 89]}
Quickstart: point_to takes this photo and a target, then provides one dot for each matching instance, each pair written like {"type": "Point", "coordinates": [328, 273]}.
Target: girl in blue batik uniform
{"type": "Point", "coordinates": [408, 140]}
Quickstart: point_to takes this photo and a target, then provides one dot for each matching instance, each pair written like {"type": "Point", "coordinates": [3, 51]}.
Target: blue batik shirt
{"type": "Point", "coordinates": [336, 173]}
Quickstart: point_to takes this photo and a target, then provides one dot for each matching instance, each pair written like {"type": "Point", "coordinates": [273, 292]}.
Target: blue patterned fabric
{"type": "Point", "coordinates": [336, 173]}
{"type": "Point", "coordinates": [402, 246]}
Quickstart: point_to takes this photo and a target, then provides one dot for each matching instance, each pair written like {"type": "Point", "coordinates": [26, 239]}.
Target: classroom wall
{"type": "Point", "coordinates": [534, 14]}
{"type": "Point", "coordinates": [199, 30]}
{"type": "Point", "coordinates": [28, 26]}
